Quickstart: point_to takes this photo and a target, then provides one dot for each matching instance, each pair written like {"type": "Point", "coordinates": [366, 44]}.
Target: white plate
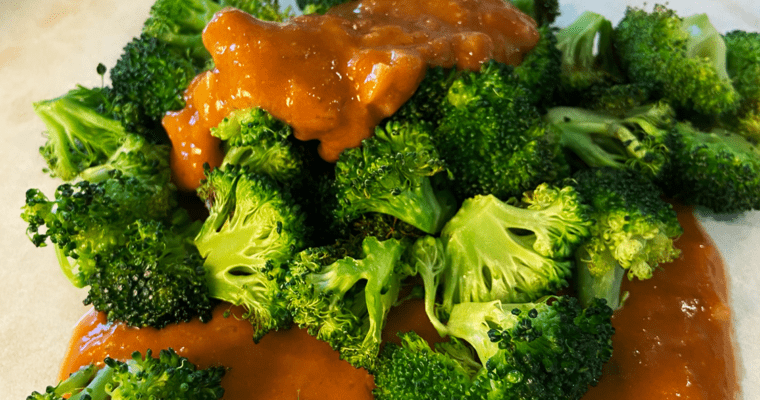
{"type": "Point", "coordinates": [46, 47]}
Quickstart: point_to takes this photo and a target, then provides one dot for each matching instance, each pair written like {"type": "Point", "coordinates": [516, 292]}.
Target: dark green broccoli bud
{"type": "Point", "coordinates": [635, 141]}
{"type": "Point", "coordinates": [548, 350]}
{"type": "Point", "coordinates": [633, 232]}
{"type": "Point", "coordinates": [169, 377]}
{"type": "Point", "coordinates": [544, 12]}
{"type": "Point", "coordinates": [683, 60]}
{"type": "Point", "coordinates": [743, 65]}
{"type": "Point", "coordinates": [317, 6]}
{"type": "Point", "coordinates": [498, 251]}
{"type": "Point", "coordinates": [588, 60]}
{"type": "Point", "coordinates": [414, 371]}
{"type": "Point", "coordinates": [156, 279]}
{"type": "Point", "coordinates": [719, 169]}
{"type": "Point", "coordinates": [80, 131]}
{"type": "Point", "coordinates": [426, 104]}
{"type": "Point", "coordinates": [87, 220]}
{"type": "Point", "coordinates": [391, 174]}
{"type": "Point", "coordinates": [342, 294]}
{"type": "Point", "coordinates": [492, 136]}
{"type": "Point", "coordinates": [540, 70]}
{"type": "Point", "coordinates": [148, 80]}
{"type": "Point", "coordinates": [545, 350]}
{"type": "Point", "coordinates": [181, 23]}
{"type": "Point", "coordinates": [252, 225]}
{"type": "Point", "coordinates": [257, 140]}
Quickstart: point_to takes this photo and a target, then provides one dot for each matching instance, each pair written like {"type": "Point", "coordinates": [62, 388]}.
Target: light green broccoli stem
{"type": "Point", "coordinates": [605, 285]}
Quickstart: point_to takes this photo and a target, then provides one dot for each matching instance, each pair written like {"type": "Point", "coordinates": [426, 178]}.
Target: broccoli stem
{"type": "Point", "coordinates": [606, 286]}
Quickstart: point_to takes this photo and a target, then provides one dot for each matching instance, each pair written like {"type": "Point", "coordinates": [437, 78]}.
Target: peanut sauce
{"type": "Point", "coordinates": [334, 77]}
{"type": "Point", "coordinates": [672, 341]}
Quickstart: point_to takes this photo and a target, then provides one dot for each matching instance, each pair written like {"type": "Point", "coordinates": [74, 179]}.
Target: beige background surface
{"type": "Point", "coordinates": [46, 47]}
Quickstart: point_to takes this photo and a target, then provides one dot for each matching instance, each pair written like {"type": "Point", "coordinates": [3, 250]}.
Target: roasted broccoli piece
{"type": "Point", "coordinates": [391, 173]}
{"type": "Point", "coordinates": [682, 60]}
{"type": "Point", "coordinates": [148, 80]}
{"type": "Point", "coordinates": [80, 132]}
{"type": "Point", "coordinates": [499, 251]}
{"type": "Point", "coordinates": [719, 169]}
{"type": "Point", "coordinates": [180, 23]}
{"type": "Point", "coordinates": [168, 377]}
{"type": "Point", "coordinates": [255, 139]}
{"type": "Point", "coordinates": [252, 225]}
{"type": "Point", "coordinates": [550, 349]}
{"type": "Point", "coordinates": [492, 136]}
{"type": "Point", "coordinates": [633, 232]}
{"type": "Point", "coordinates": [635, 141]}
{"type": "Point", "coordinates": [342, 293]}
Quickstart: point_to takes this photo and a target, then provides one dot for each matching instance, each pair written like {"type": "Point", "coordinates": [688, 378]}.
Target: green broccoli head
{"type": "Point", "coordinates": [148, 80]}
{"type": "Point", "coordinates": [492, 136]}
{"type": "Point", "coordinates": [255, 139]}
{"type": "Point", "coordinates": [634, 141]}
{"type": "Point", "coordinates": [683, 60]}
{"type": "Point", "coordinates": [167, 377]}
{"type": "Point", "coordinates": [252, 225]}
{"type": "Point", "coordinates": [426, 104]}
{"type": "Point", "coordinates": [155, 280]}
{"type": "Point", "coordinates": [80, 131]}
{"type": "Point", "coordinates": [391, 174]}
{"type": "Point", "coordinates": [413, 370]}
{"type": "Point", "coordinates": [342, 294]}
{"type": "Point", "coordinates": [719, 169]}
{"type": "Point", "coordinates": [544, 12]}
{"type": "Point", "coordinates": [498, 251]}
{"type": "Point", "coordinates": [317, 6]}
{"type": "Point", "coordinates": [180, 23]}
{"type": "Point", "coordinates": [743, 65]}
{"type": "Point", "coordinates": [540, 70]}
{"type": "Point", "coordinates": [634, 231]}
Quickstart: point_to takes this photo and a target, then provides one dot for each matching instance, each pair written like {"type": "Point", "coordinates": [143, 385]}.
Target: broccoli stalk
{"type": "Point", "coordinates": [252, 225]}
{"type": "Point", "coordinates": [550, 349]}
{"type": "Point", "coordinates": [342, 294]}
{"type": "Point", "coordinates": [167, 377]}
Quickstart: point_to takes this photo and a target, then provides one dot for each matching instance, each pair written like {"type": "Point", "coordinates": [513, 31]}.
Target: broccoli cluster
{"type": "Point", "coordinates": [486, 194]}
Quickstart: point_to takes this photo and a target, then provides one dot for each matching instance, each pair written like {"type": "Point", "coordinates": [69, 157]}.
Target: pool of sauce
{"type": "Point", "coordinates": [334, 77]}
{"type": "Point", "coordinates": [673, 340]}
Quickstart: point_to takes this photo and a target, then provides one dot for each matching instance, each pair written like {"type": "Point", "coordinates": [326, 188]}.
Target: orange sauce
{"type": "Point", "coordinates": [334, 77]}
{"type": "Point", "coordinates": [672, 341]}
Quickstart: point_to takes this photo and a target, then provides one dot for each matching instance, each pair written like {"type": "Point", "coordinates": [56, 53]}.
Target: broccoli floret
{"type": "Point", "coordinates": [683, 60]}
{"type": "Point", "coordinates": [414, 371]}
{"type": "Point", "coordinates": [544, 12]}
{"type": "Point", "coordinates": [148, 80]}
{"type": "Point", "coordinates": [743, 65]}
{"type": "Point", "coordinates": [342, 294]}
{"type": "Point", "coordinates": [252, 225]}
{"type": "Point", "coordinates": [718, 169]}
{"type": "Point", "coordinates": [498, 251]}
{"type": "Point", "coordinates": [540, 70]}
{"type": "Point", "coordinates": [633, 232]}
{"type": "Point", "coordinates": [635, 141]}
{"type": "Point", "coordinates": [167, 377]}
{"type": "Point", "coordinates": [180, 23]}
{"type": "Point", "coordinates": [255, 139]}
{"type": "Point", "coordinates": [317, 6]}
{"type": "Point", "coordinates": [80, 131]}
{"type": "Point", "coordinates": [426, 104]}
{"type": "Point", "coordinates": [551, 349]}
{"type": "Point", "coordinates": [492, 136]}
{"type": "Point", "coordinates": [391, 173]}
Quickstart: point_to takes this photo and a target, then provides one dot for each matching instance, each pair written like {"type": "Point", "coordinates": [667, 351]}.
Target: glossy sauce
{"type": "Point", "coordinates": [672, 341]}
{"type": "Point", "coordinates": [334, 77]}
